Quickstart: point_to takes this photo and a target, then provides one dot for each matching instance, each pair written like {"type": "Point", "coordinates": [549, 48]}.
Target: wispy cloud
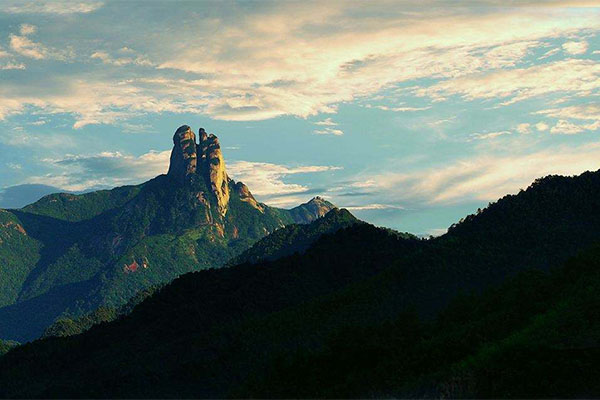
{"type": "Point", "coordinates": [268, 181]}
{"type": "Point", "coordinates": [326, 122]}
{"type": "Point", "coordinates": [328, 131]}
{"type": "Point", "coordinates": [374, 206]}
{"type": "Point", "coordinates": [484, 178]}
{"type": "Point", "coordinates": [105, 169]}
{"type": "Point", "coordinates": [488, 135]}
{"type": "Point", "coordinates": [262, 65]}
{"type": "Point", "coordinates": [575, 48]}
{"type": "Point", "coordinates": [584, 112]}
{"type": "Point", "coordinates": [579, 77]}
{"type": "Point", "coordinates": [564, 127]}
{"type": "Point", "coordinates": [49, 7]}
{"type": "Point", "coordinates": [120, 61]}
{"type": "Point", "coordinates": [398, 109]}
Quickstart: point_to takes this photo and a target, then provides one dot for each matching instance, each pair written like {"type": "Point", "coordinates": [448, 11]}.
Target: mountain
{"type": "Point", "coordinates": [500, 303]}
{"type": "Point", "coordinates": [69, 254]}
{"type": "Point", "coordinates": [295, 238]}
{"type": "Point", "coordinates": [20, 195]}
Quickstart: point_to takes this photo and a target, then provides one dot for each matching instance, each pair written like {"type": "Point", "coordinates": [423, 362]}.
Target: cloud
{"type": "Point", "coordinates": [488, 135]}
{"type": "Point", "coordinates": [49, 7]}
{"type": "Point", "coordinates": [524, 128]}
{"type": "Point", "coordinates": [328, 131]}
{"type": "Point", "coordinates": [301, 59]}
{"type": "Point", "coordinates": [541, 126]}
{"type": "Point", "coordinates": [286, 69]}
{"type": "Point", "coordinates": [267, 180]}
{"type": "Point", "coordinates": [575, 48]}
{"type": "Point", "coordinates": [374, 206]}
{"type": "Point", "coordinates": [564, 127]}
{"type": "Point", "coordinates": [398, 109]}
{"type": "Point", "coordinates": [102, 170]}
{"type": "Point", "coordinates": [549, 53]}
{"type": "Point", "coordinates": [483, 178]}
{"type": "Point", "coordinates": [12, 65]}
{"type": "Point", "coordinates": [586, 112]}
{"type": "Point", "coordinates": [326, 122]}
{"type": "Point", "coordinates": [27, 48]}
{"type": "Point", "coordinates": [107, 59]}
{"type": "Point", "coordinates": [27, 29]}
{"type": "Point", "coordinates": [579, 77]}
{"type": "Point", "coordinates": [93, 101]}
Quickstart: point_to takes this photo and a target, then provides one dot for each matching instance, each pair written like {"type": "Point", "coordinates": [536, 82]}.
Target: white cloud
{"type": "Point", "coordinates": [12, 65]}
{"type": "Point", "coordinates": [584, 112]}
{"type": "Point", "coordinates": [575, 48]}
{"type": "Point", "coordinates": [27, 48]}
{"type": "Point", "coordinates": [48, 7]}
{"type": "Point", "coordinates": [14, 166]}
{"type": "Point", "coordinates": [105, 169]}
{"type": "Point", "coordinates": [328, 131]}
{"type": "Point", "coordinates": [38, 122]}
{"type": "Point", "coordinates": [275, 65]}
{"type": "Point", "coordinates": [107, 59]}
{"type": "Point", "coordinates": [565, 127]}
{"type": "Point", "coordinates": [541, 126]}
{"type": "Point", "coordinates": [572, 75]}
{"type": "Point", "coordinates": [484, 178]}
{"type": "Point", "coordinates": [326, 122]}
{"type": "Point", "coordinates": [488, 135]}
{"type": "Point", "coordinates": [374, 206]}
{"type": "Point", "coordinates": [524, 128]}
{"type": "Point", "coordinates": [398, 109]}
{"type": "Point", "coordinates": [549, 53]}
{"type": "Point", "coordinates": [97, 102]}
{"type": "Point", "coordinates": [267, 181]}
{"type": "Point", "coordinates": [27, 29]}
{"type": "Point", "coordinates": [305, 59]}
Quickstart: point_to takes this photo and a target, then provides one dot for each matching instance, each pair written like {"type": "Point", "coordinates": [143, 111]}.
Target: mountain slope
{"type": "Point", "coordinates": [242, 330]}
{"type": "Point", "coordinates": [295, 238]}
{"type": "Point", "coordinates": [70, 254]}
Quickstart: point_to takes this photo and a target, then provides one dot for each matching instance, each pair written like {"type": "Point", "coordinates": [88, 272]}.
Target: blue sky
{"type": "Point", "coordinates": [412, 117]}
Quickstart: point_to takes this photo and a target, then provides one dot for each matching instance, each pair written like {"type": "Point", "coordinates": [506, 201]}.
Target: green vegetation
{"type": "Point", "coordinates": [6, 345]}
{"type": "Point", "coordinates": [67, 255]}
{"type": "Point", "coordinates": [65, 326]}
{"type": "Point", "coordinates": [504, 305]}
{"type": "Point", "coordinates": [295, 238]}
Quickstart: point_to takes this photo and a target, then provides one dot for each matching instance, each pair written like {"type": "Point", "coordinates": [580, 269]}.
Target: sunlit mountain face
{"type": "Point", "coordinates": [409, 116]}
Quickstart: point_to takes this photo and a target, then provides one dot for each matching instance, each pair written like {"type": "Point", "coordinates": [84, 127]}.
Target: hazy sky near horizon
{"type": "Point", "coordinates": [410, 116]}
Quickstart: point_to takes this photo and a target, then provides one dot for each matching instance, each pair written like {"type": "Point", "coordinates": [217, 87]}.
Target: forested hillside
{"type": "Point", "coordinates": [362, 312]}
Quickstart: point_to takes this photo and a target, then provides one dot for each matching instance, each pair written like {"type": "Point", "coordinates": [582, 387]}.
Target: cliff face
{"type": "Point", "coordinates": [184, 157]}
{"type": "Point", "coordinates": [203, 159]}
{"type": "Point", "coordinates": [213, 169]}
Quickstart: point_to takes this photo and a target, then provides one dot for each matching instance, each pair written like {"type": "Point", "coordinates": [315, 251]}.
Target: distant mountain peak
{"type": "Point", "coordinates": [319, 206]}
{"type": "Point", "coordinates": [190, 159]}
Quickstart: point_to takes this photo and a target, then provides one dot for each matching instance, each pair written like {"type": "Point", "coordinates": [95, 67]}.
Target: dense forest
{"type": "Point", "coordinates": [504, 305]}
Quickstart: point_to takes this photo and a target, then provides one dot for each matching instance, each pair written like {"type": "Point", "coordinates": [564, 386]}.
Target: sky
{"type": "Point", "coordinates": [409, 116]}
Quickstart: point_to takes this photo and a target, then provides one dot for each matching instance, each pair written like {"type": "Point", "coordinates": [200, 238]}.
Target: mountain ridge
{"type": "Point", "coordinates": [246, 330]}
{"type": "Point", "coordinates": [70, 254]}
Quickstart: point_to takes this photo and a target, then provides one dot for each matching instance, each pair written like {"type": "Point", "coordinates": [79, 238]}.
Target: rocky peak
{"type": "Point", "coordinates": [244, 194]}
{"type": "Point", "coordinates": [319, 206]}
{"type": "Point", "coordinates": [189, 159]}
{"type": "Point", "coordinates": [213, 168]}
{"type": "Point", "coordinates": [183, 160]}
